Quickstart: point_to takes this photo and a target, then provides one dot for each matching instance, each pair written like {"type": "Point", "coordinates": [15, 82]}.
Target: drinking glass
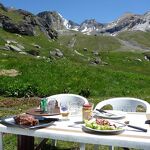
{"type": "Point", "coordinates": [51, 103]}
{"type": "Point", "coordinates": [64, 110]}
{"type": "Point", "coordinates": [87, 111]}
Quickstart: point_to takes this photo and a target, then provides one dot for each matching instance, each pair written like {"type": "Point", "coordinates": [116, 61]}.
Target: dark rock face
{"type": "Point", "coordinates": [53, 19]}
{"type": "Point", "coordinates": [3, 18]}
{"type": "Point", "coordinates": [42, 24]}
{"type": "Point", "coordinates": [24, 28]}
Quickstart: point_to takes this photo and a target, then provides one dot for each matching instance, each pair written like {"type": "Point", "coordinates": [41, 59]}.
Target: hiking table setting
{"type": "Point", "coordinates": [73, 130]}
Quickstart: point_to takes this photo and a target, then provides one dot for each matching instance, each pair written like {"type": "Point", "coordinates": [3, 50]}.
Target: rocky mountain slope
{"type": "Point", "coordinates": [49, 21]}
{"type": "Point", "coordinates": [127, 22]}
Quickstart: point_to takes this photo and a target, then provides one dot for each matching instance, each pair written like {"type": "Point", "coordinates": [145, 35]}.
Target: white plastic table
{"type": "Point", "coordinates": [60, 131]}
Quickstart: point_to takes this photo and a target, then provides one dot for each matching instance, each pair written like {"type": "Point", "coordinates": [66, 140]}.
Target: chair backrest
{"type": "Point", "coordinates": [74, 100]}
{"type": "Point", "coordinates": [126, 104]}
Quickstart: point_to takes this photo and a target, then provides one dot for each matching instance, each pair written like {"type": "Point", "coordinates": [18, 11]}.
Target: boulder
{"type": "Point", "coordinates": [85, 49]}
{"type": "Point", "coordinates": [14, 48]}
{"type": "Point", "coordinates": [4, 48]}
{"type": "Point", "coordinates": [36, 45]}
{"type": "Point", "coordinates": [96, 61]}
{"type": "Point", "coordinates": [96, 53]}
{"type": "Point", "coordinates": [52, 33]}
{"type": "Point", "coordinates": [147, 57]}
{"type": "Point", "coordinates": [20, 46]}
{"type": "Point", "coordinates": [11, 41]}
{"type": "Point", "coordinates": [33, 52]}
{"type": "Point", "coordinates": [18, 35]}
{"type": "Point", "coordinates": [56, 53]}
{"type": "Point", "coordinates": [24, 53]}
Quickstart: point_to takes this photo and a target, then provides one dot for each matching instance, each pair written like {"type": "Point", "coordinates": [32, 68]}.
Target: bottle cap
{"type": "Point", "coordinates": [87, 105]}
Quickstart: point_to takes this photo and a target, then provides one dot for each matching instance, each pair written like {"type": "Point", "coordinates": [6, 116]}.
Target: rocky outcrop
{"type": "Point", "coordinates": [53, 19]}
{"type": "Point", "coordinates": [22, 28]}
{"type": "Point", "coordinates": [90, 26]}
{"type": "Point", "coordinates": [126, 22]}
{"type": "Point", "coordinates": [2, 19]}
{"type": "Point", "coordinates": [27, 25]}
{"type": "Point", "coordinates": [43, 25]}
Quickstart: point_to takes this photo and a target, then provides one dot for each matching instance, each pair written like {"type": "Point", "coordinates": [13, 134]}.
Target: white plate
{"type": "Point", "coordinates": [108, 132]}
{"type": "Point", "coordinates": [117, 114]}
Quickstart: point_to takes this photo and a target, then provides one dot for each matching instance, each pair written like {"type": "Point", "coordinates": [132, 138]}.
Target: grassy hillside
{"type": "Point", "coordinates": [118, 73]}
{"type": "Point", "coordinates": [28, 41]}
{"type": "Point", "coordinates": [121, 77]}
{"type": "Point", "coordinates": [142, 38]}
{"type": "Point", "coordinates": [91, 42]}
{"type": "Point", "coordinates": [15, 16]}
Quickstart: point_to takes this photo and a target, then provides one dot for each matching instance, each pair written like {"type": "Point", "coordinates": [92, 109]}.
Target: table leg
{"type": "Point", "coordinates": [1, 141]}
{"type": "Point", "coordinates": [111, 147]}
{"type": "Point", "coordinates": [54, 142]}
{"type": "Point", "coordinates": [25, 142]}
{"type": "Point", "coordinates": [96, 147]}
{"type": "Point", "coordinates": [82, 146]}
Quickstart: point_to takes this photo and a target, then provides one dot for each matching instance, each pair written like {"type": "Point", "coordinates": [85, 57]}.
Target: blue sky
{"type": "Point", "coordinates": [103, 11]}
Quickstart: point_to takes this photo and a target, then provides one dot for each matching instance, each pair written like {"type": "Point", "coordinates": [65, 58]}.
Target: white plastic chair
{"type": "Point", "coordinates": [70, 98]}
{"type": "Point", "coordinates": [126, 104]}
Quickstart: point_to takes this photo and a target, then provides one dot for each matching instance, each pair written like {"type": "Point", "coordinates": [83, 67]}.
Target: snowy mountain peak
{"type": "Point", "coordinates": [126, 22]}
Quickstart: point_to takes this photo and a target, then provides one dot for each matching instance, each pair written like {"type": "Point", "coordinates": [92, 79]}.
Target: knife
{"type": "Point", "coordinates": [105, 112]}
{"type": "Point", "coordinates": [132, 126]}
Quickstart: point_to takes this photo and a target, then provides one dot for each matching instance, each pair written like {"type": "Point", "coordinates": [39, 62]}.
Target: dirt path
{"type": "Point", "coordinates": [72, 42]}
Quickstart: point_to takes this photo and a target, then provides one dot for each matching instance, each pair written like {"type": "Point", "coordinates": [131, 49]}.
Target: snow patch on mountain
{"type": "Point", "coordinates": [65, 21]}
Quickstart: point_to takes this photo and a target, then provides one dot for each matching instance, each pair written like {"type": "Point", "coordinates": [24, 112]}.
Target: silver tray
{"type": "Point", "coordinates": [10, 122]}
